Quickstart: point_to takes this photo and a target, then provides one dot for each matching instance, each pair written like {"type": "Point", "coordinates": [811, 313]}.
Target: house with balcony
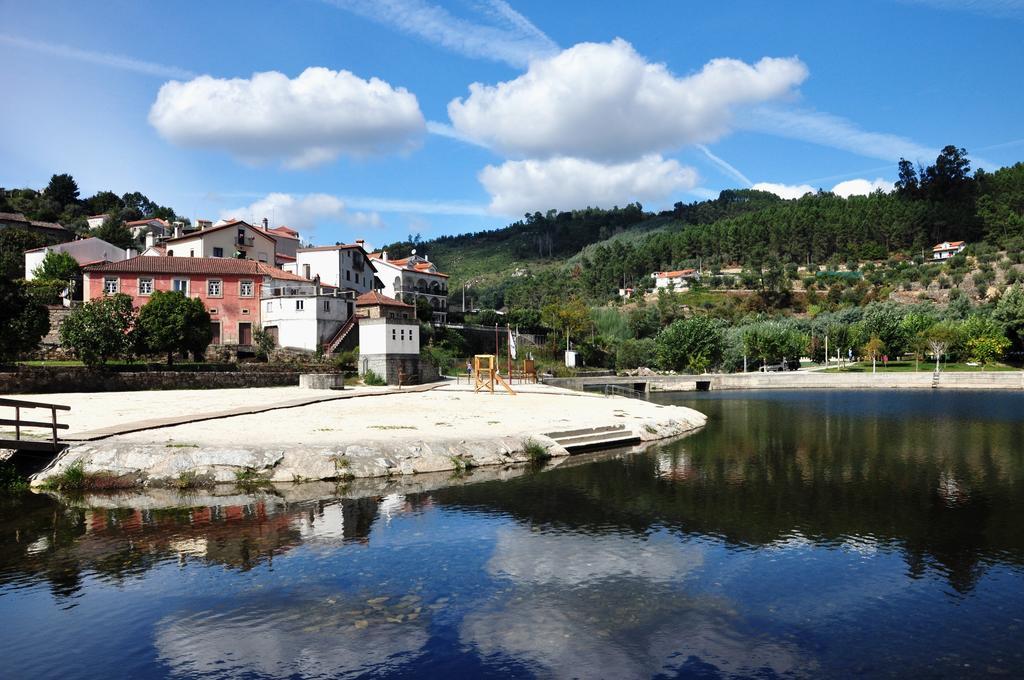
{"type": "Point", "coordinates": [345, 266]}
{"type": "Point", "coordinates": [233, 239]}
{"type": "Point", "coordinates": [231, 289]}
{"type": "Point", "coordinates": [413, 278]}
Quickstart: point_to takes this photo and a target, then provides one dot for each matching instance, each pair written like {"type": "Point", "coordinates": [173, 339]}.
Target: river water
{"type": "Point", "coordinates": [799, 534]}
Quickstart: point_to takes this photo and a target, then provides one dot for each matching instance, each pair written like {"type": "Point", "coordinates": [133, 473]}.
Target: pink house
{"type": "Point", "coordinates": [229, 288]}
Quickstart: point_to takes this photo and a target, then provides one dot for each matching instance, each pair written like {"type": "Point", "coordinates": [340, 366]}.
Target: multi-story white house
{"type": "Point", "coordinates": [232, 239]}
{"type": "Point", "coordinates": [413, 278]}
{"type": "Point", "coordinates": [947, 249]}
{"type": "Point", "coordinates": [342, 266]}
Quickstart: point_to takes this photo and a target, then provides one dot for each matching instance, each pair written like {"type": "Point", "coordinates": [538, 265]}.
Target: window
{"type": "Point", "coordinates": [218, 252]}
{"type": "Point", "coordinates": [145, 285]}
{"type": "Point", "coordinates": [170, 253]}
{"type": "Point", "coordinates": [305, 271]}
{"type": "Point", "coordinates": [245, 311]}
{"type": "Point", "coordinates": [213, 310]}
{"type": "Point", "coordinates": [394, 334]}
{"type": "Point", "coordinates": [403, 335]}
{"type": "Point", "coordinates": [191, 253]}
{"type": "Point", "coordinates": [270, 306]}
{"type": "Point", "coordinates": [111, 285]}
{"type": "Point", "coordinates": [327, 305]}
{"type": "Point", "coordinates": [214, 288]}
{"type": "Point", "coordinates": [299, 304]}
{"type": "Point", "coordinates": [245, 289]}
{"type": "Point", "coordinates": [180, 286]}
{"type": "Point", "coordinates": [348, 275]}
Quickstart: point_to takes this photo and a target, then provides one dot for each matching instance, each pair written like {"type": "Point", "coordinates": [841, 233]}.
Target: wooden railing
{"type": "Point", "coordinates": [32, 444]}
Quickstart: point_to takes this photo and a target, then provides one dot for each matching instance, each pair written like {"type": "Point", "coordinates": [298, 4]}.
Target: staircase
{"type": "Point", "coordinates": [331, 345]}
{"type": "Point", "coordinates": [589, 439]}
{"type": "Point", "coordinates": [935, 379]}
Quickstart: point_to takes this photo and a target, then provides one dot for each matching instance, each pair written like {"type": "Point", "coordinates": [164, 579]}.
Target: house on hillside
{"type": "Point", "coordinates": [413, 278]}
{"type": "Point", "coordinates": [19, 221]}
{"type": "Point", "coordinates": [96, 221]}
{"type": "Point", "coordinates": [233, 239]}
{"type": "Point", "coordinates": [680, 278]}
{"type": "Point", "coordinates": [154, 225]}
{"type": "Point", "coordinates": [345, 266]}
{"type": "Point", "coordinates": [231, 289]}
{"type": "Point", "coordinates": [947, 249]}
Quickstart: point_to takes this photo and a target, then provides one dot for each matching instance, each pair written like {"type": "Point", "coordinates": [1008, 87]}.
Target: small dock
{"type": "Point", "coordinates": [32, 454]}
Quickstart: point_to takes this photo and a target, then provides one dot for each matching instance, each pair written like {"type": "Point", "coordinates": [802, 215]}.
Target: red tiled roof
{"type": "Point", "coordinates": [203, 232]}
{"type": "Point", "coordinates": [952, 244]}
{"type": "Point", "coordinates": [287, 232]}
{"type": "Point", "coordinates": [144, 264]}
{"type": "Point", "coordinates": [282, 256]}
{"type": "Point", "coordinates": [343, 246]}
{"type": "Point", "coordinates": [137, 223]}
{"type": "Point", "coordinates": [423, 267]}
{"type": "Point", "coordinates": [672, 275]}
{"type": "Point", "coordinates": [373, 298]}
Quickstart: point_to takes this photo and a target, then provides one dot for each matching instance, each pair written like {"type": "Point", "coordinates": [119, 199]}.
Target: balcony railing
{"type": "Point", "coordinates": [303, 291]}
{"type": "Point", "coordinates": [245, 240]}
{"type": "Point", "coordinates": [438, 292]}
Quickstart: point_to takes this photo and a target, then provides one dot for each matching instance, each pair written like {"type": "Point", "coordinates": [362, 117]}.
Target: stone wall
{"type": "Point", "coordinates": [47, 379]}
{"type": "Point", "coordinates": [409, 369]}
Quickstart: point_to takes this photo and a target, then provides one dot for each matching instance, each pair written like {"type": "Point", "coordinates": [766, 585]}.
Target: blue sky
{"type": "Point", "coordinates": [210, 108]}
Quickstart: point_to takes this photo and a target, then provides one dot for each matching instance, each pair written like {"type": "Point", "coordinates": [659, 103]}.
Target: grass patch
{"type": "Point", "coordinates": [393, 427]}
{"type": "Point", "coordinates": [75, 479]}
{"type": "Point", "coordinates": [535, 451]}
{"type": "Point", "coordinates": [923, 367]}
{"type": "Point", "coordinates": [372, 379]}
{"type": "Point", "coordinates": [10, 480]}
{"type": "Point", "coordinates": [182, 446]}
{"type": "Point", "coordinates": [249, 479]}
{"type": "Point", "coordinates": [189, 479]}
{"type": "Point", "coordinates": [650, 429]}
{"type": "Point", "coordinates": [341, 467]}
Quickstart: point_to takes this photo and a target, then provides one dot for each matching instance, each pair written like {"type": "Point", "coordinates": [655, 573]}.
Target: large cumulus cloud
{"type": "Point", "coordinates": [303, 121]}
{"type": "Point", "coordinates": [565, 183]}
{"type": "Point", "coordinates": [604, 101]}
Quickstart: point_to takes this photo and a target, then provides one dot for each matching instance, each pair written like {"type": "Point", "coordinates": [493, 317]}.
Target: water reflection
{"type": "Point", "coordinates": [795, 535]}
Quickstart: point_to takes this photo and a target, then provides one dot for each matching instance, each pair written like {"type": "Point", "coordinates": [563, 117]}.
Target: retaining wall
{"type": "Point", "coordinates": [46, 379]}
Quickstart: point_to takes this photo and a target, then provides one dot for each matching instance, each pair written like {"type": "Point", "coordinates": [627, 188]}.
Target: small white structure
{"type": "Point", "coordinates": [85, 251]}
{"type": "Point", "coordinates": [947, 249]}
{"type": "Point", "coordinates": [304, 315]}
{"type": "Point", "coordinates": [96, 221]}
{"type": "Point", "coordinates": [391, 349]}
{"type": "Point", "coordinates": [680, 278]}
{"type": "Point", "coordinates": [154, 225]}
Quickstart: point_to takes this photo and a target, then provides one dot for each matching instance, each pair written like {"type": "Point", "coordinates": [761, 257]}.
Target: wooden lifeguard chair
{"type": "Point", "coordinates": [485, 374]}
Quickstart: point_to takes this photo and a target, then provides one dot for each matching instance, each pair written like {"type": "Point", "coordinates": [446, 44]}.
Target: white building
{"type": "Point", "coordinates": [412, 278]}
{"type": "Point", "coordinates": [680, 278]}
{"type": "Point", "coordinates": [85, 251]}
{"type": "Point", "coordinates": [304, 315]}
{"type": "Point", "coordinates": [154, 225]}
{"type": "Point", "coordinates": [391, 348]}
{"type": "Point", "coordinates": [345, 266]}
{"type": "Point", "coordinates": [96, 221]}
{"type": "Point", "coordinates": [234, 239]}
{"type": "Point", "coordinates": [947, 249]}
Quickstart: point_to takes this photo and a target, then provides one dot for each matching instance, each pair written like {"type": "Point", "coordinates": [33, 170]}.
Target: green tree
{"type": "Point", "coordinates": [171, 322]}
{"type": "Point", "coordinates": [424, 310]}
{"type": "Point", "coordinates": [114, 232]}
{"type": "Point", "coordinates": [690, 344]}
{"type": "Point", "coordinates": [773, 341]}
{"type": "Point", "coordinates": [57, 267]}
{"type": "Point", "coordinates": [13, 244]}
{"type": "Point", "coordinates": [636, 354]}
{"type": "Point", "coordinates": [569, 318]}
{"type": "Point", "coordinates": [62, 189]}
{"type": "Point", "coordinates": [988, 348]}
{"type": "Point", "coordinates": [23, 322]}
{"type": "Point", "coordinates": [101, 329]}
{"type": "Point", "coordinates": [1009, 311]}
{"type": "Point", "coordinates": [873, 348]}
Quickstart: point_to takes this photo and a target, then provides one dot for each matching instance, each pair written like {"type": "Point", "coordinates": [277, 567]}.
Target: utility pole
{"type": "Point", "coordinates": [826, 350]}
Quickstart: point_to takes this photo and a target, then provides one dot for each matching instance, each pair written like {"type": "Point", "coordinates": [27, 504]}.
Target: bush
{"type": "Point", "coordinates": [265, 344]}
{"type": "Point", "coordinates": [690, 344]}
{"type": "Point", "coordinates": [636, 354]}
{"type": "Point", "coordinates": [171, 322]}
{"type": "Point", "coordinates": [536, 451]}
{"type": "Point", "coordinates": [372, 379]}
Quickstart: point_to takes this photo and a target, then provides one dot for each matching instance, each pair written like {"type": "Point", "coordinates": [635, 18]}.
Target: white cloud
{"type": "Point", "coordinates": [785, 190]}
{"type": "Point", "coordinates": [724, 165]}
{"type": "Point", "coordinates": [851, 187]}
{"type": "Point", "coordinates": [507, 35]}
{"type": "Point", "coordinates": [305, 121]}
{"type": "Point", "coordinates": [117, 61]}
{"type": "Point", "coordinates": [605, 101]}
{"type": "Point", "coordinates": [835, 132]}
{"type": "Point", "coordinates": [862, 187]}
{"type": "Point", "coordinates": [303, 212]}
{"type": "Point", "coordinates": [566, 183]}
